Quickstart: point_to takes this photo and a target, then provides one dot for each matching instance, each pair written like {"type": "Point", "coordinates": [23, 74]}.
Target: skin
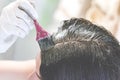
{"type": "Point", "coordinates": [20, 70]}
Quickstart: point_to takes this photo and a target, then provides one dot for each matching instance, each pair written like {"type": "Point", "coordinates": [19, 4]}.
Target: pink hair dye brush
{"type": "Point", "coordinates": [44, 39]}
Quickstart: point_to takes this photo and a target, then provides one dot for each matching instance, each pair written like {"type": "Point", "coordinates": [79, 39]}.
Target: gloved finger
{"type": "Point", "coordinates": [23, 16]}
{"type": "Point", "coordinates": [31, 24]}
{"type": "Point", "coordinates": [28, 8]}
{"type": "Point", "coordinates": [23, 26]}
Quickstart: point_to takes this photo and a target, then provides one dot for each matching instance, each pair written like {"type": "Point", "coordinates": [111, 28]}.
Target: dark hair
{"type": "Point", "coordinates": [82, 51]}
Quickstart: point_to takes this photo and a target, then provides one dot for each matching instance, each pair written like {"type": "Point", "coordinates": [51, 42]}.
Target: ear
{"type": "Point", "coordinates": [34, 76]}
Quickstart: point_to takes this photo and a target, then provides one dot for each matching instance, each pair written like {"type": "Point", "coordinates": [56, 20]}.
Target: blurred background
{"type": "Point", "coordinates": [52, 12]}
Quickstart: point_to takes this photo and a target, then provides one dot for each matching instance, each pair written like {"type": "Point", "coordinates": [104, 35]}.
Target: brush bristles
{"type": "Point", "coordinates": [46, 43]}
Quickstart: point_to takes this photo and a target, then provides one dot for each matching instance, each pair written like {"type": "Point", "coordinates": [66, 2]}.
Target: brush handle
{"type": "Point", "coordinates": [41, 33]}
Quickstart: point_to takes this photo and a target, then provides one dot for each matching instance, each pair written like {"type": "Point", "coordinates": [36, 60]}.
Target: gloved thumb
{"type": "Point", "coordinates": [28, 8]}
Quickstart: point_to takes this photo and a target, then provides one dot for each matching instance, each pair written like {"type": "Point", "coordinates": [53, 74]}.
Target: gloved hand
{"type": "Point", "coordinates": [16, 18]}
{"type": "Point", "coordinates": [16, 21]}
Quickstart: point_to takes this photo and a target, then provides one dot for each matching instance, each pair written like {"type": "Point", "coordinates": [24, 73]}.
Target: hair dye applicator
{"type": "Point", "coordinates": [43, 37]}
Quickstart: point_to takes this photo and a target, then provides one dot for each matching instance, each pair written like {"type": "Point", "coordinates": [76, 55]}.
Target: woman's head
{"type": "Point", "coordinates": [82, 51]}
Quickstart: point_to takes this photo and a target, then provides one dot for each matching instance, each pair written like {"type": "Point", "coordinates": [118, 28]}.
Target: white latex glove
{"type": "Point", "coordinates": [16, 22]}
